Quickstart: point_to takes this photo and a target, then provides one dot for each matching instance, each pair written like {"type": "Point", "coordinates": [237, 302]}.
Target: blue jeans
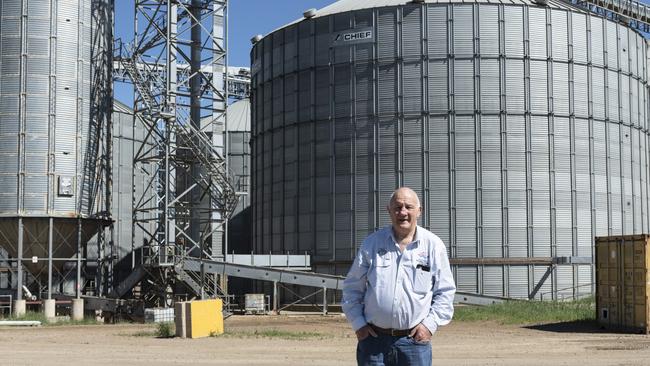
{"type": "Point", "coordinates": [393, 351]}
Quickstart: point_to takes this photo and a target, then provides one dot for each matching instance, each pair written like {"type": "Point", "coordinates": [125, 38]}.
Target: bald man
{"type": "Point", "coordinates": [399, 289]}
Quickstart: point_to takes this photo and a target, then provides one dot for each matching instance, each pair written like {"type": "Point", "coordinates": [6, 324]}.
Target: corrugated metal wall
{"type": "Point", "coordinates": [45, 104]}
{"type": "Point", "coordinates": [239, 152]}
{"type": "Point", "coordinates": [239, 164]}
{"type": "Point", "coordinates": [128, 185]}
{"type": "Point", "coordinates": [522, 128]}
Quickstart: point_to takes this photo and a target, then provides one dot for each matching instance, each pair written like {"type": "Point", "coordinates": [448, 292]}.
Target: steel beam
{"type": "Point", "coordinates": [266, 274]}
{"type": "Point", "coordinates": [541, 282]}
{"type": "Point", "coordinates": [476, 299]}
{"type": "Point", "coordinates": [49, 258]}
{"type": "Point", "coordinates": [125, 286]}
{"type": "Point", "coordinates": [19, 286]}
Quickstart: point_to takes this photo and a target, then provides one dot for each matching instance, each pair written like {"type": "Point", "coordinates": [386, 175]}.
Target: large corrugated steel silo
{"type": "Point", "coordinates": [238, 136]}
{"type": "Point", "coordinates": [55, 97]}
{"type": "Point", "coordinates": [522, 127]}
{"type": "Point", "coordinates": [239, 159]}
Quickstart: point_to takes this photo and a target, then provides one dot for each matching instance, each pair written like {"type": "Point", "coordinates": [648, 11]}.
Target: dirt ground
{"type": "Point", "coordinates": [329, 342]}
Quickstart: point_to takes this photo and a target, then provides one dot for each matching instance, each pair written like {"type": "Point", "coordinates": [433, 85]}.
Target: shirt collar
{"type": "Point", "coordinates": [415, 240]}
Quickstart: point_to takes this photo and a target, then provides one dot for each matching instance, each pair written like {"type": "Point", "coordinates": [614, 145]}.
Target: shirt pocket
{"type": "Point", "coordinates": [423, 281]}
{"type": "Point", "coordinates": [379, 273]}
{"type": "Point", "coordinates": [383, 261]}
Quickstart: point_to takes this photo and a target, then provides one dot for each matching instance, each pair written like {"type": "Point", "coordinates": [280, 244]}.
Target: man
{"type": "Point", "coordinates": [399, 288]}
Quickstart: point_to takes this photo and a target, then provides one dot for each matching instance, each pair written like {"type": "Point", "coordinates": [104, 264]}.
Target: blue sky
{"type": "Point", "coordinates": [251, 17]}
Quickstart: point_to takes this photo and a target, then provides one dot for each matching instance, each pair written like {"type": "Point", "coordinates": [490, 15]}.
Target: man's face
{"type": "Point", "coordinates": [404, 211]}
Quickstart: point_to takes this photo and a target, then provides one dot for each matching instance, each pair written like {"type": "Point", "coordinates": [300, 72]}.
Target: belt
{"type": "Point", "coordinates": [390, 331]}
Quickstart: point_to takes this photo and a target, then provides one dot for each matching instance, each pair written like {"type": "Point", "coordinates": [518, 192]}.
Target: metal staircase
{"type": "Point", "coordinates": [216, 177]}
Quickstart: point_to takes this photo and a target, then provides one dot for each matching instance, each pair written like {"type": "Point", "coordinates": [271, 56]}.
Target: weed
{"type": "Point", "coordinates": [215, 334]}
{"type": "Point", "coordinates": [143, 333]}
{"type": "Point", "coordinates": [165, 330]}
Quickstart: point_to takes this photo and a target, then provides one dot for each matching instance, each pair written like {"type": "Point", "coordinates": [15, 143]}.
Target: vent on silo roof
{"type": "Point", "coordinates": [256, 38]}
{"type": "Point", "coordinates": [309, 13]}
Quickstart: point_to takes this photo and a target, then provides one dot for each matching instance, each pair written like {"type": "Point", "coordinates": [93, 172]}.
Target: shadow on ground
{"type": "Point", "coordinates": [579, 326]}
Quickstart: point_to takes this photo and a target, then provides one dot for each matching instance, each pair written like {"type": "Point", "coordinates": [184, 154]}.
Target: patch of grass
{"type": "Point", "coordinates": [38, 316]}
{"type": "Point", "coordinates": [165, 330]}
{"type": "Point", "coordinates": [530, 312]}
{"type": "Point", "coordinates": [274, 333]}
{"type": "Point", "coordinates": [143, 333]}
{"type": "Point", "coordinates": [85, 321]}
{"type": "Point", "coordinates": [30, 316]}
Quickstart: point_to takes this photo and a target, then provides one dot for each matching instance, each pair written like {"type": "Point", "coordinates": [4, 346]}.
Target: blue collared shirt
{"type": "Point", "coordinates": [399, 290]}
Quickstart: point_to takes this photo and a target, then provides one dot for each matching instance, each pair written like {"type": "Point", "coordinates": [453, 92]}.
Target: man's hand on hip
{"type": "Point", "coordinates": [420, 333]}
{"type": "Point", "coordinates": [364, 332]}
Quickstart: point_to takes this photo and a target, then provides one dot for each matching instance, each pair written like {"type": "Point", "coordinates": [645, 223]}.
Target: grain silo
{"type": "Point", "coordinates": [55, 103]}
{"type": "Point", "coordinates": [238, 137]}
{"type": "Point", "coordinates": [522, 127]}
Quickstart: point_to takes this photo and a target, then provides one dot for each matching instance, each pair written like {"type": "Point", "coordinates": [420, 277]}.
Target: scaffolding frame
{"type": "Point", "coordinates": [177, 64]}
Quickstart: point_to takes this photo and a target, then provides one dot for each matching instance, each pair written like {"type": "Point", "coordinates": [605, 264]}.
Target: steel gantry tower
{"type": "Point", "coordinates": [177, 64]}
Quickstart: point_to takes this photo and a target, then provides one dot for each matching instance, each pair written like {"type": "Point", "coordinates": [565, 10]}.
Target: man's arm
{"type": "Point", "coordinates": [444, 289]}
{"type": "Point", "coordinates": [354, 290]}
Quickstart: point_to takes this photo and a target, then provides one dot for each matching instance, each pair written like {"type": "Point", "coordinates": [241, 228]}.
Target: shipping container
{"type": "Point", "coordinates": [623, 282]}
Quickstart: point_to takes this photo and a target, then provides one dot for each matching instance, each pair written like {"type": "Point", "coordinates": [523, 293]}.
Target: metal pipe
{"type": "Point", "coordinates": [79, 258]}
{"type": "Point", "coordinates": [28, 293]}
{"type": "Point", "coordinates": [108, 273]}
{"type": "Point", "coordinates": [226, 134]}
{"type": "Point", "coordinates": [49, 258]}
{"type": "Point", "coordinates": [19, 287]}
{"type": "Point", "coordinates": [275, 297]}
{"type": "Point", "coordinates": [195, 120]}
{"type": "Point", "coordinates": [134, 120]}
{"type": "Point", "coordinates": [21, 144]}
{"type": "Point", "coordinates": [170, 110]}
{"type": "Point", "coordinates": [100, 274]}
{"type": "Point", "coordinates": [20, 323]}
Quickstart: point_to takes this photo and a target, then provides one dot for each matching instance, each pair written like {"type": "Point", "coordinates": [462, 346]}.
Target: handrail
{"type": "Point", "coordinates": [635, 13]}
{"type": "Point", "coordinates": [9, 303]}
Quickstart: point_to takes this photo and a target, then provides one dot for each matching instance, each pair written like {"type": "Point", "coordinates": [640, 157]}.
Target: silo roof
{"type": "Point", "coordinates": [239, 116]}
{"type": "Point", "coordinates": [343, 6]}
{"type": "Point", "coordinates": [119, 106]}
{"type": "Point", "coordinates": [349, 5]}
